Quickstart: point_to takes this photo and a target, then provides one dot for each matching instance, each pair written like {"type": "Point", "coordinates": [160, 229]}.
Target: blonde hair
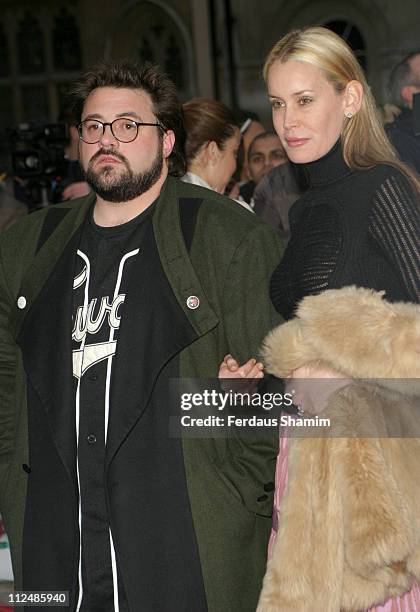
{"type": "Point", "coordinates": [363, 138]}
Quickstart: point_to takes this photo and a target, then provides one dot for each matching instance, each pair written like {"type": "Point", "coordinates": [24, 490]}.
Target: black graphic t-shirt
{"type": "Point", "coordinates": [105, 261]}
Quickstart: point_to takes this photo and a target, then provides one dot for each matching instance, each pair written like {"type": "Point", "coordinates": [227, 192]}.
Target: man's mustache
{"type": "Point", "coordinates": [107, 152]}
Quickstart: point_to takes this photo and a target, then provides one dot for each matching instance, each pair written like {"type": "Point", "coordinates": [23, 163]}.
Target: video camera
{"type": "Point", "coordinates": [38, 160]}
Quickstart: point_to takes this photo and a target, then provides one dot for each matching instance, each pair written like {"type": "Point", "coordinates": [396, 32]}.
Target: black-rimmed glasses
{"type": "Point", "coordinates": [123, 129]}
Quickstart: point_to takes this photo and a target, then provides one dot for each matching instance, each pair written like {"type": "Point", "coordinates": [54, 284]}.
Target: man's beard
{"type": "Point", "coordinates": [124, 186]}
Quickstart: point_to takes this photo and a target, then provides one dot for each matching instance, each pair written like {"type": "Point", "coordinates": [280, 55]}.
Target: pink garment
{"type": "Point", "coordinates": [409, 602]}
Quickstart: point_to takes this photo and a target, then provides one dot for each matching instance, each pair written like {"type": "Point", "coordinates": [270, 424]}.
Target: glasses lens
{"type": "Point", "coordinates": [124, 129]}
{"type": "Point", "coordinates": [91, 131]}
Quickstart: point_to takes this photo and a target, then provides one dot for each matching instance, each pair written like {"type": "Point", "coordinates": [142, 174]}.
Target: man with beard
{"type": "Point", "coordinates": [103, 300]}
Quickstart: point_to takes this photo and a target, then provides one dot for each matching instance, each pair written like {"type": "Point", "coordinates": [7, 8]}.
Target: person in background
{"type": "Point", "coordinates": [265, 153]}
{"type": "Point", "coordinates": [275, 195]}
{"type": "Point", "coordinates": [211, 144]}
{"type": "Point", "coordinates": [402, 132]}
{"type": "Point", "coordinates": [73, 184]}
{"type": "Point", "coordinates": [250, 126]}
{"type": "Point", "coordinates": [11, 209]}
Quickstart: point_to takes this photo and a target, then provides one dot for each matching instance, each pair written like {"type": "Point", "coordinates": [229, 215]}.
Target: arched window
{"type": "Point", "coordinates": [66, 42]}
{"type": "Point", "coordinates": [38, 68]}
{"type": "Point", "coordinates": [30, 44]}
{"type": "Point", "coordinates": [150, 32]}
{"type": "Point", "coordinates": [162, 44]}
{"type": "Point", "coordinates": [173, 61]}
{"type": "Point", "coordinates": [353, 37]}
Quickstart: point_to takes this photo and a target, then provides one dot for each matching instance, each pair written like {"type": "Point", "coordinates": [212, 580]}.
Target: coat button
{"type": "Point", "coordinates": [262, 498]}
{"type": "Point", "coordinates": [91, 439]}
{"type": "Point", "coordinates": [26, 468]}
{"type": "Point", "coordinates": [269, 486]}
{"type": "Point", "coordinates": [193, 302]}
{"type": "Point", "coordinates": [21, 302]}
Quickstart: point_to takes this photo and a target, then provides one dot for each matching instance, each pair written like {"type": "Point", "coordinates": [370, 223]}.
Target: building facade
{"type": "Point", "coordinates": [209, 47]}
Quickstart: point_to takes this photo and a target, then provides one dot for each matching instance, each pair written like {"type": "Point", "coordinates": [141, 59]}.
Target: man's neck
{"type": "Point", "coordinates": [110, 214]}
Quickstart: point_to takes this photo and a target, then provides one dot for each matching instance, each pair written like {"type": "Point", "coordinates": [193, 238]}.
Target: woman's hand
{"type": "Point", "coordinates": [312, 386]}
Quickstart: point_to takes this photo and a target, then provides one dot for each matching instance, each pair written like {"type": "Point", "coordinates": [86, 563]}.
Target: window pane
{"type": "Point", "coordinates": [66, 42]}
{"type": "Point", "coordinates": [30, 43]}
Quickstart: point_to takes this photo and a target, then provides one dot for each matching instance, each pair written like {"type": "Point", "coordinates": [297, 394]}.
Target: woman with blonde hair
{"type": "Point", "coordinates": [358, 223]}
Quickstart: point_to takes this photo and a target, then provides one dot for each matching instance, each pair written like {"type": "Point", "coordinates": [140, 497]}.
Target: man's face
{"type": "Point", "coordinates": [408, 92]}
{"type": "Point", "coordinates": [265, 154]}
{"type": "Point", "coordinates": [254, 128]}
{"type": "Point", "coordinates": [119, 171]}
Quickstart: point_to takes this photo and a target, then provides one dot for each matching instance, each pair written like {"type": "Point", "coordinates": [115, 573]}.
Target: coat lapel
{"type": "Point", "coordinates": [157, 323]}
{"type": "Point", "coordinates": [43, 330]}
{"type": "Point", "coordinates": [176, 262]}
{"type": "Point", "coordinates": [45, 260]}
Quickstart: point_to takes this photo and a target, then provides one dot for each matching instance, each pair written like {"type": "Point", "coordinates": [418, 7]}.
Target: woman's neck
{"type": "Point", "coordinates": [202, 171]}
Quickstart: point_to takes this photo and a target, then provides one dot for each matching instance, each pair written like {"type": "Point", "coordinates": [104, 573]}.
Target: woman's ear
{"type": "Point", "coordinates": [353, 96]}
{"type": "Point", "coordinates": [213, 152]}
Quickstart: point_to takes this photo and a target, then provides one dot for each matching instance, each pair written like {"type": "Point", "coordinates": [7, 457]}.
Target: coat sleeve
{"type": "Point", "coordinates": [8, 352]}
{"type": "Point", "coordinates": [248, 316]}
{"type": "Point", "coordinates": [248, 312]}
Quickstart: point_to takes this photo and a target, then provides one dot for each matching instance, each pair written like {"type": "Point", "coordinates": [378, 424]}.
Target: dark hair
{"type": "Point", "coordinates": [402, 76]}
{"type": "Point", "coordinates": [262, 136]}
{"type": "Point", "coordinates": [206, 120]}
{"type": "Point", "coordinates": [149, 78]}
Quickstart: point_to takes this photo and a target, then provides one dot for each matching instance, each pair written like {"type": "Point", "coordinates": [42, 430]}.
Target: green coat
{"type": "Point", "coordinates": [229, 266]}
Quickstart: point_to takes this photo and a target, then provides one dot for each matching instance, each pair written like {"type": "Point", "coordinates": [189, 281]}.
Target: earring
{"type": "Point", "coordinates": [348, 114]}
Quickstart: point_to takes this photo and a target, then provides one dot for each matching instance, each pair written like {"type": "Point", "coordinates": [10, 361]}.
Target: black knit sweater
{"type": "Point", "coordinates": [352, 227]}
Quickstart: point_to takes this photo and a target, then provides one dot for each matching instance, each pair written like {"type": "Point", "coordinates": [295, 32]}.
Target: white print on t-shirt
{"type": "Point", "coordinates": [86, 323]}
{"type": "Point", "coordinates": [91, 325]}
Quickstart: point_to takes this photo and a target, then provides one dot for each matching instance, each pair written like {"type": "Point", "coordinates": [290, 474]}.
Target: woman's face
{"type": "Point", "coordinates": [308, 113]}
{"type": "Point", "coordinates": [226, 162]}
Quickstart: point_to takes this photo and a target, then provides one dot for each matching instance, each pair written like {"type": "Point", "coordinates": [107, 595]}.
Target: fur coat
{"type": "Point", "coordinates": [349, 525]}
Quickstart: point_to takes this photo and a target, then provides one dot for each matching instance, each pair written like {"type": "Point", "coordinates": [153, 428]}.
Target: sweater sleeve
{"type": "Point", "coordinates": [395, 226]}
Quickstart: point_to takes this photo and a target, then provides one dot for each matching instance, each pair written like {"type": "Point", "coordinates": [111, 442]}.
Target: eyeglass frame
{"type": "Point", "coordinates": [137, 124]}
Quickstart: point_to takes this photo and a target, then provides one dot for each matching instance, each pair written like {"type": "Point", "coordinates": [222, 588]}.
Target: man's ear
{"type": "Point", "coordinates": [407, 95]}
{"type": "Point", "coordinates": [353, 96]}
{"type": "Point", "coordinates": [168, 143]}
